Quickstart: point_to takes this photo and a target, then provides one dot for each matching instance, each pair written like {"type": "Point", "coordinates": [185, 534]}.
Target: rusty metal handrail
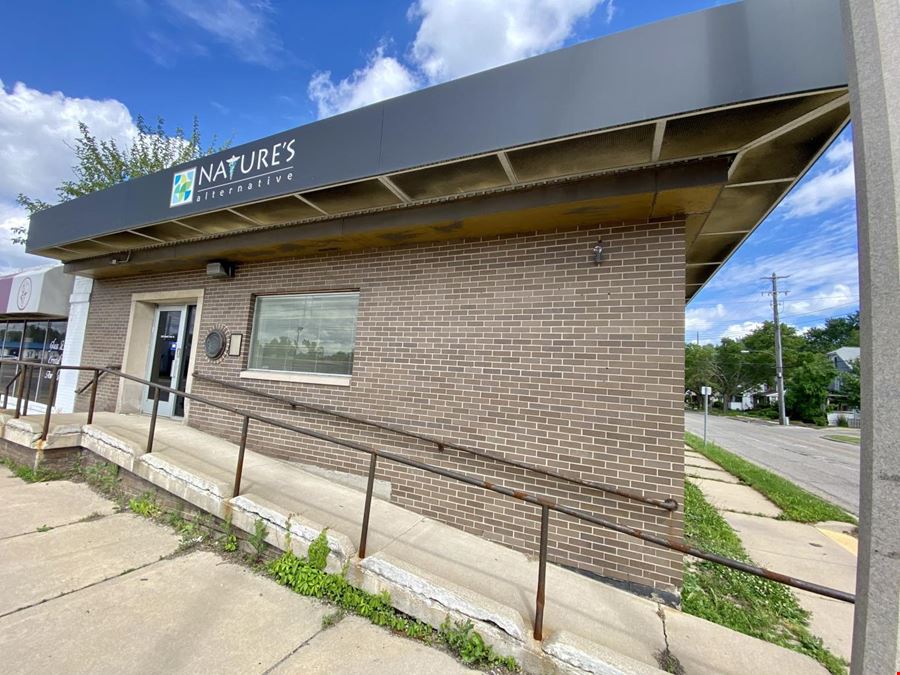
{"type": "Point", "coordinates": [546, 503]}
{"type": "Point", "coordinates": [81, 390]}
{"type": "Point", "coordinates": [8, 385]}
{"type": "Point", "coordinates": [668, 504]}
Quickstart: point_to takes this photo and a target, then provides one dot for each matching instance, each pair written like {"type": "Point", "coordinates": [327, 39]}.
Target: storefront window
{"type": "Point", "coordinates": [35, 342]}
{"type": "Point", "coordinates": [12, 345]}
{"type": "Point", "coordinates": [310, 333]}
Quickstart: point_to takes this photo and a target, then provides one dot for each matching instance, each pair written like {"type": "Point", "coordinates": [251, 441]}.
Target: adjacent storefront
{"type": "Point", "coordinates": [34, 328]}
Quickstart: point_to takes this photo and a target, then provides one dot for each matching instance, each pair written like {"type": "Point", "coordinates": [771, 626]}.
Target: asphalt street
{"type": "Point", "coordinates": [803, 455]}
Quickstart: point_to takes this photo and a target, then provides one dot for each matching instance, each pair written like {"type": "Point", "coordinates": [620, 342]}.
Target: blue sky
{"type": "Point", "coordinates": [248, 68]}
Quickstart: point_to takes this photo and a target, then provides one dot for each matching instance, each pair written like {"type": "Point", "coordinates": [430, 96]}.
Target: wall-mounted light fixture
{"type": "Point", "coordinates": [220, 269]}
{"type": "Point", "coordinates": [598, 251]}
{"type": "Point", "coordinates": [120, 258]}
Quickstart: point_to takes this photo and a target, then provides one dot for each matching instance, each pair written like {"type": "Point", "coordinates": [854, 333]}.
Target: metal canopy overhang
{"type": "Point", "coordinates": [707, 118]}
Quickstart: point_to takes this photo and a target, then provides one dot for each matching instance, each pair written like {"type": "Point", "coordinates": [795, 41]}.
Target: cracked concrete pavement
{"type": "Point", "coordinates": [86, 590]}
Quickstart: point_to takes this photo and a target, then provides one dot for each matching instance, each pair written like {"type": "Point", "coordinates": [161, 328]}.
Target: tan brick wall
{"type": "Point", "coordinates": [517, 344]}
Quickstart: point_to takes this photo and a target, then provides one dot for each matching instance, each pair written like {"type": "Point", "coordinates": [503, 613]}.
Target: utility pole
{"type": "Point", "coordinates": [779, 368]}
{"type": "Point", "coordinates": [706, 391]}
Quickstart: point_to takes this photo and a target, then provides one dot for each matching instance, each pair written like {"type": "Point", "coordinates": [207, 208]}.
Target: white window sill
{"type": "Point", "coordinates": [304, 378]}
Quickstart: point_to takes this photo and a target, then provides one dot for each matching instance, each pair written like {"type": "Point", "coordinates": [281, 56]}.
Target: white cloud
{"type": "Point", "coordinates": [381, 78]}
{"type": "Point", "coordinates": [827, 189]}
{"type": "Point", "coordinates": [460, 37]}
{"type": "Point", "coordinates": [12, 256]}
{"type": "Point", "coordinates": [243, 25]}
{"type": "Point", "coordinates": [455, 38]}
{"type": "Point", "coordinates": [703, 318]}
{"type": "Point", "coordinates": [611, 10]}
{"type": "Point", "coordinates": [738, 330]}
{"type": "Point", "coordinates": [838, 295]}
{"type": "Point", "coordinates": [37, 131]}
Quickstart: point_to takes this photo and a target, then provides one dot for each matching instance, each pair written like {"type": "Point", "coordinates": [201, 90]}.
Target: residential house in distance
{"type": "Point", "coordinates": [843, 360]}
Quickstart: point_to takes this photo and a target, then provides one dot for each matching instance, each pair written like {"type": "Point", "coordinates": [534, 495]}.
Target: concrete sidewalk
{"type": "Point", "coordinates": [800, 454]}
{"type": "Point", "coordinates": [823, 553]}
{"type": "Point", "coordinates": [109, 594]}
{"type": "Point", "coordinates": [430, 570]}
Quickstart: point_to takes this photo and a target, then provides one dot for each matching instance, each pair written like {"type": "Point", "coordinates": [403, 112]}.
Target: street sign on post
{"type": "Point", "coordinates": [706, 391]}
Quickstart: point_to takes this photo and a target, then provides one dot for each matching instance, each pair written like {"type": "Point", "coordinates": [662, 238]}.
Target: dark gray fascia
{"type": "Point", "coordinates": [739, 52]}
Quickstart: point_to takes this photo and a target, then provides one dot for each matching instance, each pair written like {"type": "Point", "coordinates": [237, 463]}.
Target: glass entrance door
{"type": "Point", "coordinates": [169, 354]}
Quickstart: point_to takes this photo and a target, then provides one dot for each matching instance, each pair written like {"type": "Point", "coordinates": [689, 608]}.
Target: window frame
{"type": "Point", "coordinates": [308, 377]}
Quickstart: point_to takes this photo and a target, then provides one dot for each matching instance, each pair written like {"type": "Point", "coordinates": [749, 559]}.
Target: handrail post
{"type": "Point", "coordinates": [153, 419]}
{"type": "Point", "coordinates": [48, 411]}
{"type": "Point", "coordinates": [240, 463]}
{"type": "Point", "coordinates": [28, 390]}
{"type": "Point", "coordinates": [20, 390]}
{"type": "Point", "coordinates": [95, 380]}
{"type": "Point", "coordinates": [542, 576]}
{"type": "Point", "coordinates": [370, 486]}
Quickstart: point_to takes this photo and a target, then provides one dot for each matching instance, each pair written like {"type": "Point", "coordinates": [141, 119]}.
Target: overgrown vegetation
{"type": "Point", "coordinates": [743, 602]}
{"type": "Point", "coordinates": [145, 505]}
{"type": "Point", "coordinates": [29, 474]}
{"type": "Point", "coordinates": [229, 541]}
{"type": "Point", "coordinates": [307, 576]}
{"type": "Point", "coordinates": [102, 476]}
{"type": "Point", "coordinates": [796, 503]}
{"type": "Point", "coordinates": [258, 538]}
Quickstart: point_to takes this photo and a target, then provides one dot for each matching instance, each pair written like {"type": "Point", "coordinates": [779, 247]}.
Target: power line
{"type": "Point", "coordinates": [691, 305]}
{"type": "Point", "coordinates": [718, 323]}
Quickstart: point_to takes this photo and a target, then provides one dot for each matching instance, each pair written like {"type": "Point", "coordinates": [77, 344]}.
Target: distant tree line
{"type": "Point", "coordinates": [734, 366]}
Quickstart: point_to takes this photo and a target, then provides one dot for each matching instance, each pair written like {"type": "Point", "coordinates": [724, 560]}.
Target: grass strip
{"type": "Point", "coordinates": [30, 475]}
{"type": "Point", "coordinates": [749, 604]}
{"type": "Point", "coordinates": [841, 438]}
{"type": "Point", "coordinates": [796, 503]}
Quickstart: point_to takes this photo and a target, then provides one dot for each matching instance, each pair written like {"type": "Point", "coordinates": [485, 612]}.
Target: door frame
{"type": "Point", "coordinates": [166, 408]}
{"type": "Point", "coordinates": [137, 344]}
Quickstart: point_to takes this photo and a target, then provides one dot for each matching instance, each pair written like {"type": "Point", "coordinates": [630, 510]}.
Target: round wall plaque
{"type": "Point", "coordinates": [214, 344]}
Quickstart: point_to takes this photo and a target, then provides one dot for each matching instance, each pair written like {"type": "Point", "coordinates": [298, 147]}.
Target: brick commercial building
{"type": "Point", "coordinates": [500, 262]}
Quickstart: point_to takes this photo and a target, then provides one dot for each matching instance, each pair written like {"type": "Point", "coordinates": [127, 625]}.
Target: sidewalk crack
{"type": "Point", "coordinates": [666, 659]}
{"type": "Point", "coordinates": [90, 585]}
{"type": "Point", "coordinates": [293, 651]}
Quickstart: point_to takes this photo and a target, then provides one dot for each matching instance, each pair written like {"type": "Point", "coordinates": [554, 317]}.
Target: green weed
{"type": "Point", "coordinates": [145, 505]}
{"type": "Point", "coordinates": [258, 538]}
{"type": "Point", "coordinates": [102, 476]}
{"type": "Point", "coordinates": [30, 475]}
{"type": "Point", "coordinates": [743, 602]}
{"type": "Point", "coordinates": [307, 576]}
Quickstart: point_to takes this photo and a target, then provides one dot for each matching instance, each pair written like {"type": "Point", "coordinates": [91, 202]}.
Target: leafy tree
{"type": "Point", "coordinates": [103, 163]}
{"type": "Point", "coordinates": [698, 366]}
{"type": "Point", "coordinates": [807, 387]}
{"type": "Point", "coordinates": [729, 369]}
{"type": "Point", "coordinates": [760, 345]}
{"type": "Point", "coordinates": [838, 332]}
